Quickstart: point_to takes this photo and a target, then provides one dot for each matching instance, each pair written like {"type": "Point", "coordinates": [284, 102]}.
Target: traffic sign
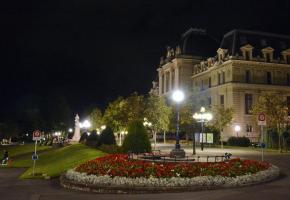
{"type": "Point", "coordinates": [262, 119]}
{"type": "Point", "coordinates": [36, 135]}
{"type": "Point", "coordinates": [263, 145]}
{"type": "Point", "coordinates": [34, 156]}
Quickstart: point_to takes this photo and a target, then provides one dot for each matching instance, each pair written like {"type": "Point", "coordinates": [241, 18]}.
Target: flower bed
{"type": "Point", "coordinates": [116, 172]}
{"type": "Point", "coordinates": [119, 165]}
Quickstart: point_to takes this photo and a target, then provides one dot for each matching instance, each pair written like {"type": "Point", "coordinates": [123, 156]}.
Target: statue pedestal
{"type": "Point", "coordinates": [177, 153]}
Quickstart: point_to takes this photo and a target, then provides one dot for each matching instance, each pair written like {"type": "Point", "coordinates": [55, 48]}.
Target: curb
{"type": "Point", "coordinates": [104, 189]}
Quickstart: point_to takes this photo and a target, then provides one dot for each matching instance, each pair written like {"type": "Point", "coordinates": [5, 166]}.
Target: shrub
{"type": "Point", "coordinates": [111, 149]}
{"type": "Point", "coordinates": [137, 140]}
{"type": "Point", "coordinates": [83, 138]}
{"type": "Point", "coordinates": [239, 141]}
{"type": "Point", "coordinates": [93, 139]}
{"type": "Point", "coordinates": [107, 137]}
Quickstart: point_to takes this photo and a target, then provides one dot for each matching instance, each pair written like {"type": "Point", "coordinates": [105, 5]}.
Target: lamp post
{"type": "Point", "coordinates": [202, 117]}
{"type": "Point", "coordinates": [85, 125]}
{"type": "Point", "coordinates": [178, 97]}
{"type": "Point", "coordinates": [237, 129]}
{"type": "Point", "coordinates": [148, 125]}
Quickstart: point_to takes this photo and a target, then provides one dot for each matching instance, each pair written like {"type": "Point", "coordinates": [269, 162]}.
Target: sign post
{"type": "Point", "coordinates": [36, 137]}
{"type": "Point", "coordinates": [262, 123]}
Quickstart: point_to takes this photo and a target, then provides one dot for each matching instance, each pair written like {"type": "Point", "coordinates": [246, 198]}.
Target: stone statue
{"type": "Point", "coordinates": [178, 50]}
{"type": "Point", "coordinates": [77, 133]}
{"type": "Point", "coordinates": [168, 55]}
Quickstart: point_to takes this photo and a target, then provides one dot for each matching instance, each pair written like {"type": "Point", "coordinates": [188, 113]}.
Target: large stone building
{"type": "Point", "coordinates": [232, 73]}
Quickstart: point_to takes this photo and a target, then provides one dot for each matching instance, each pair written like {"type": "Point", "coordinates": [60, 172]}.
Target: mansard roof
{"type": "Point", "coordinates": [236, 39]}
{"type": "Point", "coordinates": [197, 42]}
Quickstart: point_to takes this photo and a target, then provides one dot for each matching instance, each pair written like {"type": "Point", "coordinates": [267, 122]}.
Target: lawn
{"type": "Point", "coordinates": [56, 161]}
{"type": "Point", "coordinates": [18, 150]}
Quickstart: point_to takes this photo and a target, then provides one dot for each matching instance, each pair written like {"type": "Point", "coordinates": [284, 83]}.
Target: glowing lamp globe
{"type": "Point", "coordinates": [178, 96]}
{"type": "Point", "coordinates": [237, 128]}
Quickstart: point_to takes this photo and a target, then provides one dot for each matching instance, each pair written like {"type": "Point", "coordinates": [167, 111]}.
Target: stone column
{"type": "Point", "coordinates": [165, 82]}
{"type": "Point", "coordinates": [170, 80]}
{"type": "Point", "coordinates": [160, 83]}
{"type": "Point", "coordinates": [176, 77]}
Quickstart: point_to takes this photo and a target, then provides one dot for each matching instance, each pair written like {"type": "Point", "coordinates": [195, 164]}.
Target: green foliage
{"type": "Point", "coordinates": [275, 107]}
{"type": "Point", "coordinates": [93, 139]}
{"type": "Point", "coordinates": [96, 119]}
{"type": "Point", "coordinates": [239, 141]}
{"type": "Point", "coordinates": [111, 149]}
{"type": "Point", "coordinates": [121, 112]}
{"type": "Point", "coordinates": [221, 118]}
{"type": "Point", "coordinates": [137, 140]}
{"type": "Point", "coordinates": [115, 115]}
{"type": "Point", "coordinates": [84, 137]}
{"type": "Point", "coordinates": [157, 112]}
{"type": "Point", "coordinates": [107, 137]}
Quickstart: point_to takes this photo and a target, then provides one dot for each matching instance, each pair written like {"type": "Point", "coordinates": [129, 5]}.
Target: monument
{"type": "Point", "coordinates": [77, 133]}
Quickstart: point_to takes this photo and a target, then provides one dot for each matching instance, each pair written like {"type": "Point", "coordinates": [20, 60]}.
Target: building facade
{"type": "Point", "coordinates": [245, 64]}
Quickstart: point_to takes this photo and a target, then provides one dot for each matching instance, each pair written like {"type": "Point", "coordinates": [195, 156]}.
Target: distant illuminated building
{"type": "Point", "coordinates": [231, 73]}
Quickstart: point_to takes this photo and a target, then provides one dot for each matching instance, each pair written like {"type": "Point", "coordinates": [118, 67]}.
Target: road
{"type": "Point", "coordinates": [11, 188]}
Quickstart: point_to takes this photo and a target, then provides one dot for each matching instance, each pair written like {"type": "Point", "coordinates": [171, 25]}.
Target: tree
{"type": "Point", "coordinates": [158, 114]}
{"type": "Point", "coordinates": [115, 115]}
{"type": "Point", "coordinates": [107, 137]}
{"type": "Point", "coordinates": [137, 140]}
{"type": "Point", "coordinates": [121, 112]}
{"type": "Point", "coordinates": [276, 110]}
{"type": "Point", "coordinates": [134, 107]}
{"type": "Point", "coordinates": [221, 118]}
{"type": "Point", "coordinates": [96, 119]}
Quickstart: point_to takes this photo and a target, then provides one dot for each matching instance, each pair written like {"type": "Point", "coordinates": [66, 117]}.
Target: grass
{"type": "Point", "coordinates": [18, 150]}
{"type": "Point", "coordinates": [56, 161]}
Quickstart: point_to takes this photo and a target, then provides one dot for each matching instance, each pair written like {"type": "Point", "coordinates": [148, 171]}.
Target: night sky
{"type": "Point", "coordinates": [92, 51]}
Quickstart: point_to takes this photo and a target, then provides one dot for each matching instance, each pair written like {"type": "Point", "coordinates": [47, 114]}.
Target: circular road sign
{"type": "Point", "coordinates": [34, 156]}
{"type": "Point", "coordinates": [262, 117]}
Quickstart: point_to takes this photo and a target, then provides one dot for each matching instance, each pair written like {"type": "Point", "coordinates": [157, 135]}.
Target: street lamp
{"type": "Point", "coordinates": [202, 117]}
{"type": "Point", "coordinates": [86, 124]}
{"type": "Point", "coordinates": [237, 129]}
{"type": "Point", "coordinates": [70, 130]}
{"type": "Point", "coordinates": [178, 97]}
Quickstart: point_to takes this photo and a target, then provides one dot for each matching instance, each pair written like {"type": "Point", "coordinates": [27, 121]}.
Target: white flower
{"type": "Point", "coordinates": [106, 180]}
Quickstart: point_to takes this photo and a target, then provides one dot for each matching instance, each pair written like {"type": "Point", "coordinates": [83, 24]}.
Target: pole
{"type": "Point", "coordinates": [177, 145]}
{"type": "Point", "coordinates": [120, 139]}
{"type": "Point", "coordinates": [154, 134]}
{"type": "Point", "coordinates": [34, 161]}
{"type": "Point", "coordinates": [262, 143]}
{"type": "Point", "coordinates": [201, 135]}
{"type": "Point", "coordinates": [164, 139]}
{"type": "Point", "coordinates": [193, 144]}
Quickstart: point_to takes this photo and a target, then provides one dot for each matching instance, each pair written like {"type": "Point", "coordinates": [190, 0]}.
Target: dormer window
{"type": "Point", "coordinates": [247, 51]}
{"type": "Point", "coordinates": [286, 56]}
{"type": "Point", "coordinates": [268, 54]}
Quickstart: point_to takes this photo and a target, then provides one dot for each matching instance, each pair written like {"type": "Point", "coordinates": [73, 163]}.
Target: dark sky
{"type": "Point", "coordinates": [94, 50]}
